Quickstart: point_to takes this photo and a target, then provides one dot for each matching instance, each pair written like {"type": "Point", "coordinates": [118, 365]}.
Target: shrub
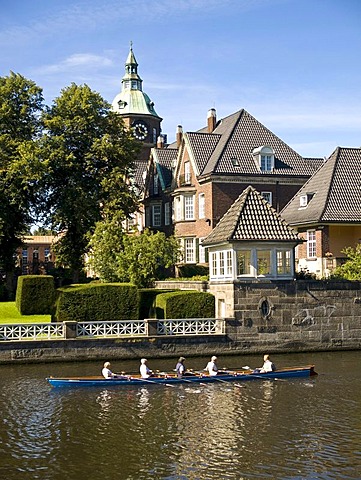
{"type": "Point", "coordinates": [185, 304]}
{"type": "Point", "coordinates": [35, 294]}
{"type": "Point", "coordinates": [98, 302]}
{"type": "Point", "coordinates": [147, 297]}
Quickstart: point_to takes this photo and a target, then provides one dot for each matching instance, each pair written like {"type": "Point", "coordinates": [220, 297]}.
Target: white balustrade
{"type": "Point", "coordinates": [112, 329]}
{"type": "Point", "coordinates": [190, 326]}
{"type": "Point", "coordinates": [32, 331]}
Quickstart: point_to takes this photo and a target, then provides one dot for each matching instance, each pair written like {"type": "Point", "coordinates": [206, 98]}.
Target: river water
{"type": "Point", "coordinates": [295, 429]}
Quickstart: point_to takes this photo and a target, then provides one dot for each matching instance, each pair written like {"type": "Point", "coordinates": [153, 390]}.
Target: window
{"type": "Point", "coordinates": [154, 135]}
{"type": "Point", "coordinates": [283, 262]}
{"type": "Point", "coordinates": [47, 254]}
{"type": "Point", "coordinates": [263, 262]}
{"type": "Point", "coordinates": [266, 163]}
{"type": "Point", "coordinates": [267, 196]}
{"type": "Point", "coordinates": [305, 199]}
{"type": "Point", "coordinates": [201, 206]}
{"type": "Point", "coordinates": [187, 172]}
{"type": "Point", "coordinates": [202, 252]}
{"type": "Point", "coordinates": [155, 184]}
{"type": "Point", "coordinates": [189, 250]}
{"type": "Point", "coordinates": [189, 207]}
{"type": "Point", "coordinates": [311, 244]}
{"type": "Point", "coordinates": [214, 264]}
{"type": "Point", "coordinates": [167, 213]}
{"type": "Point", "coordinates": [244, 262]}
{"type": "Point", "coordinates": [265, 157]}
{"type": "Point", "coordinates": [178, 208]}
{"type": "Point", "coordinates": [221, 264]}
{"type": "Point", "coordinates": [156, 215]}
{"type": "Point", "coordinates": [235, 162]}
{"type": "Point", "coordinates": [229, 264]}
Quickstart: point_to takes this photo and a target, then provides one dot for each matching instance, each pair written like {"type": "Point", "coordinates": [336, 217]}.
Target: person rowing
{"type": "Point", "coordinates": [108, 374]}
{"type": "Point", "coordinates": [180, 367]}
{"type": "Point", "coordinates": [268, 365]}
{"type": "Point", "coordinates": [211, 366]}
{"type": "Point", "coordinates": [145, 372]}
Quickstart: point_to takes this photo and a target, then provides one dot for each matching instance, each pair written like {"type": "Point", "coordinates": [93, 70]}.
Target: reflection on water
{"type": "Point", "coordinates": [295, 429]}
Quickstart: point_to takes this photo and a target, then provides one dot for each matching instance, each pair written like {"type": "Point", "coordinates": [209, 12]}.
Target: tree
{"type": "Point", "coordinates": [145, 257]}
{"type": "Point", "coordinates": [351, 269]}
{"type": "Point", "coordinates": [21, 102]}
{"type": "Point", "coordinates": [140, 259]}
{"type": "Point", "coordinates": [87, 155]}
{"type": "Point", "coordinates": [104, 246]}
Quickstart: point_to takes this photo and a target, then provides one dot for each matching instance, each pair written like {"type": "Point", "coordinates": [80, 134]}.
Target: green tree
{"type": "Point", "coordinates": [145, 257]}
{"type": "Point", "coordinates": [351, 269]}
{"type": "Point", "coordinates": [104, 246]}
{"type": "Point", "coordinates": [21, 102]}
{"type": "Point", "coordinates": [87, 156]}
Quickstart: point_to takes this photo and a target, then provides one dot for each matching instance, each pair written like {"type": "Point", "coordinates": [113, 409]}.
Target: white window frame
{"type": "Point", "coordinates": [178, 208]}
{"type": "Point", "coordinates": [201, 205]}
{"type": "Point", "coordinates": [248, 258]}
{"type": "Point", "coordinates": [167, 216]}
{"type": "Point", "coordinates": [156, 215]}
{"type": "Point", "coordinates": [188, 207]}
{"type": "Point", "coordinates": [201, 252]}
{"type": "Point", "coordinates": [283, 258]}
{"type": "Point", "coordinates": [265, 157]}
{"type": "Point", "coordinates": [311, 244]}
{"type": "Point", "coordinates": [267, 196]}
{"type": "Point", "coordinates": [187, 172]}
{"type": "Point", "coordinates": [190, 250]}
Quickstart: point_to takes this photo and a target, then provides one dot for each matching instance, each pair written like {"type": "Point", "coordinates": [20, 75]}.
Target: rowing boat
{"type": "Point", "coordinates": [172, 379]}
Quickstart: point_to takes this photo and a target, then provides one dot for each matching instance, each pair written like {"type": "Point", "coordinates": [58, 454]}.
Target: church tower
{"type": "Point", "coordinates": [136, 108]}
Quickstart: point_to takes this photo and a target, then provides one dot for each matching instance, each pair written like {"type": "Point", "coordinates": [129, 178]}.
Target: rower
{"type": "Point", "coordinates": [106, 372]}
{"type": "Point", "coordinates": [211, 367]}
{"type": "Point", "coordinates": [180, 367]}
{"type": "Point", "coordinates": [145, 372]}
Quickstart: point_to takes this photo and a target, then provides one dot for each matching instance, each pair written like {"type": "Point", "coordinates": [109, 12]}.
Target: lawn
{"type": "Point", "coordinates": [10, 314]}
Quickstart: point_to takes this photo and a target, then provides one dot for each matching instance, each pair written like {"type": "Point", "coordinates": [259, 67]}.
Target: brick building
{"type": "Point", "coordinates": [204, 172]}
{"type": "Point", "coordinates": [327, 212]}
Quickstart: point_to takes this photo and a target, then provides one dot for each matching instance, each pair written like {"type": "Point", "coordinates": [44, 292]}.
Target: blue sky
{"type": "Point", "coordinates": [295, 65]}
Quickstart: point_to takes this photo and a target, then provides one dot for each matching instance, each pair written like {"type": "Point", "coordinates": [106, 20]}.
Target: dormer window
{"type": "Point", "coordinates": [265, 158]}
{"type": "Point", "coordinates": [235, 162]}
{"type": "Point", "coordinates": [305, 199]}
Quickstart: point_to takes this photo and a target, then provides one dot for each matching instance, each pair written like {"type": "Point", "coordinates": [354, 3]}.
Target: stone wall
{"type": "Point", "coordinates": [292, 315]}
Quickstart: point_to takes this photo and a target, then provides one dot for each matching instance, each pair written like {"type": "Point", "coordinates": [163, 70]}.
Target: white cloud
{"type": "Point", "coordinates": [73, 62]}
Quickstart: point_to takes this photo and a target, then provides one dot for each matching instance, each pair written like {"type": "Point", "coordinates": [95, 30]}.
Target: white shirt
{"type": "Point", "coordinates": [107, 373]}
{"type": "Point", "coordinates": [144, 371]}
{"type": "Point", "coordinates": [267, 366]}
{"type": "Point", "coordinates": [212, 368]}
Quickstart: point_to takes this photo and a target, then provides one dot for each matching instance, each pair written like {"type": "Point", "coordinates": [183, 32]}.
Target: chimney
{"type": "Point", "coordinates": [211, 119]}
{"type": "Point", "coordinates": [179, 135]}
{"type": "Point", "coordinates": [160, 141]}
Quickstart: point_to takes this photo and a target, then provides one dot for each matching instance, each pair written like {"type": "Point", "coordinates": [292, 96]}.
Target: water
{"type": "Point", "coordinates": [296, 429]}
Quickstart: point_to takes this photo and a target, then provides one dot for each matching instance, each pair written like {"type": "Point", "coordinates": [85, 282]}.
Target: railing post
{"type": "Point", "coordinates": [220, 325]}
{"type": "Point", "coordinates": [151, 326]}
{"type": "Point", "coordinates": [70, 329]}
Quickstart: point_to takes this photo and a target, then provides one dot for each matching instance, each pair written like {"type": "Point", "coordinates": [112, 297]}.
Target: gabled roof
{"type": "Point", "coordinates": [140, 166]}
{"type": "Point", "coordinates": [235, 137]}
{"type": "Point", "coordinates": [251, 218]}
{"type": "Point", "coordinates": [164, 159]}
{"type": "Point", "coordinates": [333, 192]}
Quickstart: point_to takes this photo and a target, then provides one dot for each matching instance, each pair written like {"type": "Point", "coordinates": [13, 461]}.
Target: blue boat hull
{"type": "Point", "coordinates": [173, 380]}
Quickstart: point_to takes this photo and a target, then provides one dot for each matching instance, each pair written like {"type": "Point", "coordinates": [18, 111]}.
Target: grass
{"type": "Point", "coordinates": [10, 314]}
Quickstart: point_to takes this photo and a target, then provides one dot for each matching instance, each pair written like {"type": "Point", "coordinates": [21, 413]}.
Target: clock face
{"type": "Point", "coordinates": [140, 130]}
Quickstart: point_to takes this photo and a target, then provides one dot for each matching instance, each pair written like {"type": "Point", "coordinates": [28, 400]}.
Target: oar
{"type": "Point", "coordinates": [222, 381]}
{"type": "Point", "coordinates": [151, 381]}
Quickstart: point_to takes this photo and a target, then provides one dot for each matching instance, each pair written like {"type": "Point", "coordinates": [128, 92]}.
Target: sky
{"type": "Point", "coordinates": [295, 65]}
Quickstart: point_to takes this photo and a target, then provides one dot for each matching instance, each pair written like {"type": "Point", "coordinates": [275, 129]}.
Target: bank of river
{"type": "Point", "coordinates": [295, 429]}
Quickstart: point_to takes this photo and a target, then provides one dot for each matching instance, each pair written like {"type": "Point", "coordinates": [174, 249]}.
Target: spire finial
{"type": "Point", "coordinates": [131, 45]}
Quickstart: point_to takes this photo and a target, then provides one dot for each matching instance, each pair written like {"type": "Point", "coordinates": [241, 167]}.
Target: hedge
{"type": "Point", "coordinates": [185, 304]}
{"type": "Point", "coordinates": [97, 302]}
{"type": "Point", "coordinates": [35, 294]}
